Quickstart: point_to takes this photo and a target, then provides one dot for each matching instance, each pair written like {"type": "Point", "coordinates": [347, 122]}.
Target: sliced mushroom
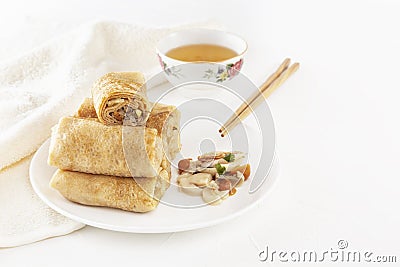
{"type": "Point", "coordinates": [231, 166]}
{"type": "Point", "coordinates": [212, 156]}
{"type": "Point", "coordinates": [220, 161]}
{"type": "Point", "coordinates": [236, 178]}
{"type": "Point", "coordinates": [200, 179]}
{"type": "Point", "coordinates": [205, 164]}
{"type": "Point", "coordinates": [191, 183]}
{"type": "Point", "coordinates": [185, 175]}
{"type": "Point", "coordinates": [213, 196]}
{"type": "Point", "coordinates": [212, 171]}
{"type": "Point", "coordinates": [224, 184]}
{"type": "Point", "coordinates": [245, 169]}
{"type": "Point", "coordinates": [240, 168]}
{"type": "Point", "coordinates": [187, 187]}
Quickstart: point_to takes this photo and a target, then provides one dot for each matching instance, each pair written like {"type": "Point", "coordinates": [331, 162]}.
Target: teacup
{"type": "Point", "coordinates": [178, 71]}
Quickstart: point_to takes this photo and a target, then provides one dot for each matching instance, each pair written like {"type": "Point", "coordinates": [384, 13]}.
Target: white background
{"type": "Point", "coordinates": [337, 123]}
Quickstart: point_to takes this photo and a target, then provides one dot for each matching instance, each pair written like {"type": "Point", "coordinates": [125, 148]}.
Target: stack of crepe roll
{"type": "Point", "coordinates": [115, 151]}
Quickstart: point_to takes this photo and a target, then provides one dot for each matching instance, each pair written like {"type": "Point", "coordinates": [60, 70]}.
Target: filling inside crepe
{"type": "Point", "coordinates": [130, 111]}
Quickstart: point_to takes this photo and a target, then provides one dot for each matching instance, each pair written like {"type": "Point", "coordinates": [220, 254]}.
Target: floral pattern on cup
{"type": "Point", "coordinates": [224, 72]}
{"type": "Point", "coordinates": [174, 71]}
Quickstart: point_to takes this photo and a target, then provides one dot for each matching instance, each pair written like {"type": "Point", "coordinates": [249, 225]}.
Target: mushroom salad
{"type": "Point", "coordinates": [214, 176]}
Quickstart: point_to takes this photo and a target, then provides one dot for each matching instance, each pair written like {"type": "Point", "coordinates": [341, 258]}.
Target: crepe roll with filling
{"type": "Point", "coordinates": [164, 118]}
{"type": "Point", "coordinates": [86, 145]}
{"type": "Point", "coordinates": [130, 194]}
{"type": "Point", "coordinates": [120, 98]}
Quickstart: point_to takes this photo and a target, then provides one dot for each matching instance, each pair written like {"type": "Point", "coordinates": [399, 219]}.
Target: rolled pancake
{"type": "Point", "coordinates": [86, 145]}
{"type": "Point", "coordinates": [86, 109]}
{"type": "Point", "coordinates": [137, 195]}
{"type": "Point", "coordinates": [120, 98]}
{"type": "Point", "coordinates": [164, 118]}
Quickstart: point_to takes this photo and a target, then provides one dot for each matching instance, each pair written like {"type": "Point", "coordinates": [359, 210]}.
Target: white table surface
{"type": "Point", "coordinates": [336, 122]}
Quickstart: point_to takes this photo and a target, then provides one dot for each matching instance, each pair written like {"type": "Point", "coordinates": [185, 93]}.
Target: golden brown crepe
{"type": "Point", "coordinates": [131, 194]}
{"type": "Point", "coordinates": [120, 98]}
{"type": "Point", "coordinates": [86, 109]}
{"type": "Point", "coordinates": [86, 145]}
{"type": "Point", "coordinates": [164, 118]}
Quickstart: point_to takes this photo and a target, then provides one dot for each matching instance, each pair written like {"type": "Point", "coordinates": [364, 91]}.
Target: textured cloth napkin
{"type": "Point", "coordinates": [39, 87]}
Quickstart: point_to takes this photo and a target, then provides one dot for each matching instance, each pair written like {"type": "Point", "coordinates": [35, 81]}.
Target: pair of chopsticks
{"type": "Point", "coordinates": [276, 79]}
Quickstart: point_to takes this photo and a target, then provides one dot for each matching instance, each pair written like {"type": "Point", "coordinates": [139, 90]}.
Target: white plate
{"type": "Point", "coordinates": [169, 215]}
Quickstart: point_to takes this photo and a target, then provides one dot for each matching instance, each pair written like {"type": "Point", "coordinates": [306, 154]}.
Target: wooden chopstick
{"type": "Point", "coordinates": [284, 65]}
{"type": "Point", "coordinates": [266, 89]}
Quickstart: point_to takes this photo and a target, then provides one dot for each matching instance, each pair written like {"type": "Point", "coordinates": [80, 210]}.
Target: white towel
{"type": "Point", "coordinates": [39, 87]}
